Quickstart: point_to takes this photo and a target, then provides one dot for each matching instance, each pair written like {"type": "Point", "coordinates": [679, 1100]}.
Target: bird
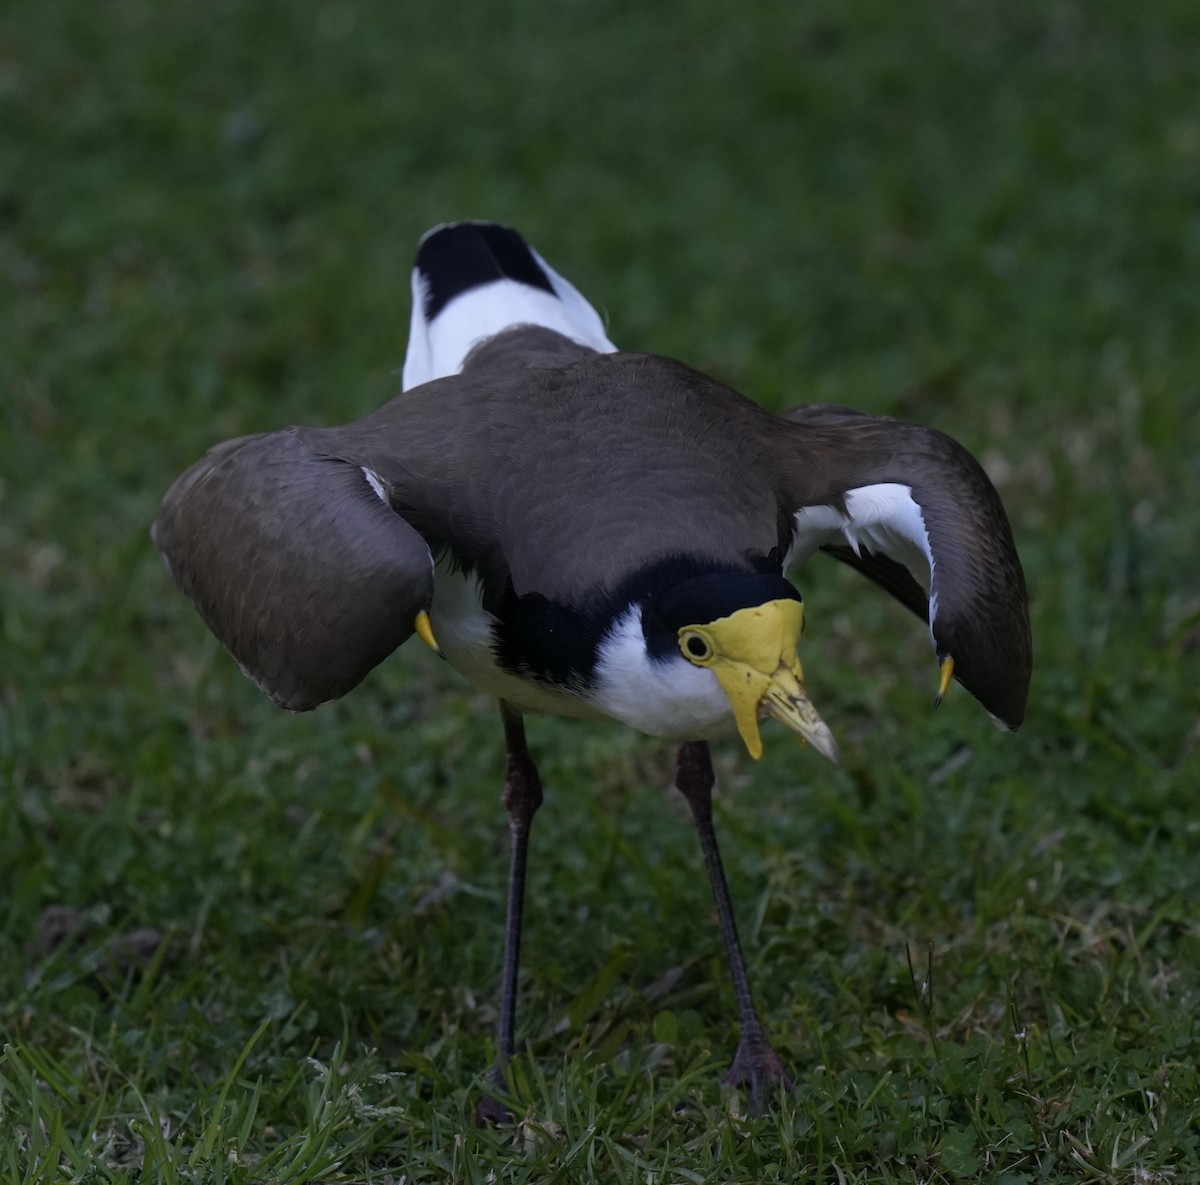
{"type": "Point", "coordinates": [592, 533]}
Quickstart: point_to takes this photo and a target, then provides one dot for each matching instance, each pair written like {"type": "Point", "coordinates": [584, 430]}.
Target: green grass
{"type": "Point", "coordinates": [979, 216]}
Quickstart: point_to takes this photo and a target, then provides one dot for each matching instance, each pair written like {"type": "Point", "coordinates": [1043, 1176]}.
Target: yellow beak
{"type": "Point", "coordinates": [753, 654]}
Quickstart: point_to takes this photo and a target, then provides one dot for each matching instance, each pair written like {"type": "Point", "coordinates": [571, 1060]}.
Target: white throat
{"type": "Point", "coordinates": [669, 698]}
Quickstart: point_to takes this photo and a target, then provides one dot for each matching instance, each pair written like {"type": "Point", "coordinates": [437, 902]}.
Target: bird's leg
{"type": "Point", "coordinates": [522, 797]}
{"type": "Point", "coordinates": [755, 1064]}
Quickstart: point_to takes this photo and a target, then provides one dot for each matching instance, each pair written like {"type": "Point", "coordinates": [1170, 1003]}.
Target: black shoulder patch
{"type": "Point", "coordinates": [556, 644]}
{"type": "Point", "coordinates": [465, 255]}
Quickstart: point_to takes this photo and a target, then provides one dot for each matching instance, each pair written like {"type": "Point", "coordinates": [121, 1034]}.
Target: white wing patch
{"type": "Point", "coordinates": [884, 519]}
{"type": "Point", "coordinates": [439, 347]}
{"type": "Point", "coordinates": [375, 484]}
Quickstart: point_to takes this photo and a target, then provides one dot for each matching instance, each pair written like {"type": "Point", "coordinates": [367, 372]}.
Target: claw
{"type": "Point", "coordinates": [947, 669]}
{"type": "Point", "coordinates": [423, 628]}
{"type": "Point", "coordinates": [489, 1111]}
{"type": "Point", "coordinates": [757, 1066]}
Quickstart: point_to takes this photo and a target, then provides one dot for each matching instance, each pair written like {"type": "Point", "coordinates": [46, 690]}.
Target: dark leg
{"type": "Point", "coordinates": [522, 797]}
{"type": "Point", "coordinates": [755, 1064]}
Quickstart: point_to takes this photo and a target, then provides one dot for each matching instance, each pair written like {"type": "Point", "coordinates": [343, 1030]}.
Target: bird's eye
{"type": "Point", "coordinates": [696, 647]}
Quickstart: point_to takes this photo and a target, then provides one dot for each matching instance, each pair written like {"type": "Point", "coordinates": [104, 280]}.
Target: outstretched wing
{"type": "Point", "coordinates": [911, 509]}
{"type": "Point", "coordinates": [295, 562]}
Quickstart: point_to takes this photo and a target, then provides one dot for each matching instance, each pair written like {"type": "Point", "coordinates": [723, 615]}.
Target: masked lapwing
{"type": "Point", "coordinates": [587, 532]}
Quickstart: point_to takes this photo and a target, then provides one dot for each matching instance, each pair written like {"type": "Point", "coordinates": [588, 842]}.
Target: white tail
{"type": "Point", "coordinates": [473, 280]}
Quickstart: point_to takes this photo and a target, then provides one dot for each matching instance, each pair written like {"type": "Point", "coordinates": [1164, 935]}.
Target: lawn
{"type": "Point", "coordinates": [238, 945]}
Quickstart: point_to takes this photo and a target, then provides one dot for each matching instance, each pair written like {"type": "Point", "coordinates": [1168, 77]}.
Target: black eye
{"type": "Point", "coordinates": [696, 646]}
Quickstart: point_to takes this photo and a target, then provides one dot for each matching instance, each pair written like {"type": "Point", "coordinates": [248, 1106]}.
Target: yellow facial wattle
{"type": "Point", "coordinates": [753, 655]}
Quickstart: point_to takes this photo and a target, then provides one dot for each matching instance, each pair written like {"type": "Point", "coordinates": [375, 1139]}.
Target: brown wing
{"type": "Point", "coordinates": [299, 568]}
{"type": "Point", "coordinates": [978, 608]}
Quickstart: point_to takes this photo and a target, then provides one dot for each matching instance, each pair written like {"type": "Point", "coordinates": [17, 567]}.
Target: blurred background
{"type": "Point", "coordinates": [983, 218]}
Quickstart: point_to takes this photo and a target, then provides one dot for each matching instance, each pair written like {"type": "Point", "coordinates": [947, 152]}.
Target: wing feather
{"type": "Point", "coordinates": [295, 562]}
{"type": "Point", "coordinates": [911, 509]}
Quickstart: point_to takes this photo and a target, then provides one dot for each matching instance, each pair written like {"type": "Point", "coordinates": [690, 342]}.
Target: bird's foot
{"type": "Point", "coordinates": [489, 1111]}
{"type": "Point", "coordinates": [757, 1065]}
